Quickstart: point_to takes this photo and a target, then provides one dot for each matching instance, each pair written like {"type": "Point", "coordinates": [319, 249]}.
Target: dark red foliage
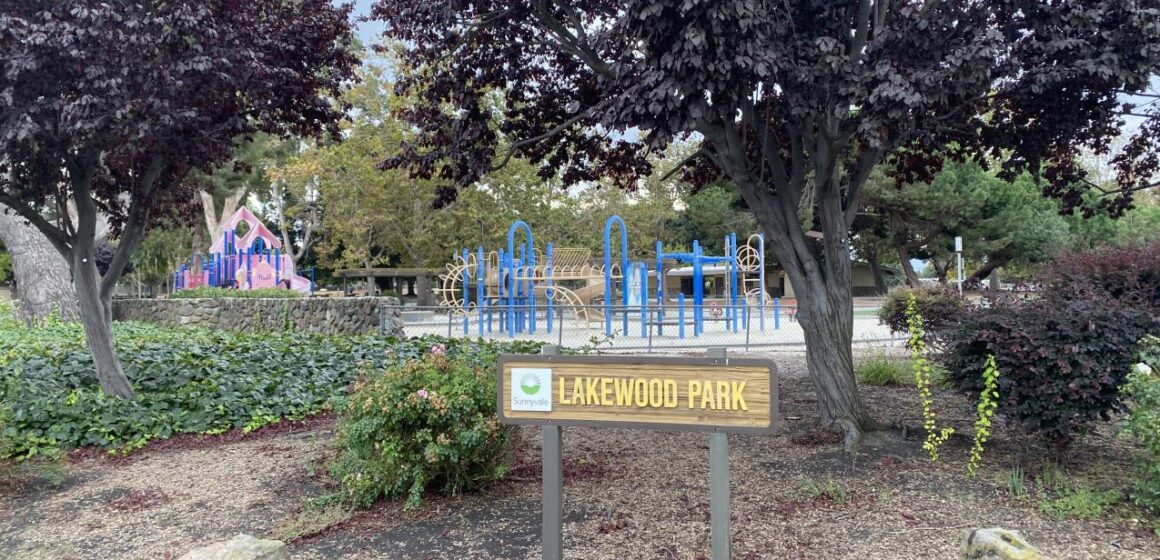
{"type": "Point", "coordinates": [1063, 356]}
{"type": "Point", "coordinates": [1029, 82]}
{"type": "Point", "coordinates": [1122, 277]}
{"type": "Point", "coordinates": [138, 93]}
{"type": "Point", "coordinates": [1061, 362]}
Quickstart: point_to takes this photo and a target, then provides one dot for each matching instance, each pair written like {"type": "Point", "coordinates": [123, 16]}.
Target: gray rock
{"type": "Point", "coordinates": [998, 544]}
{"type": "Point", "coordinates": [241, 547]}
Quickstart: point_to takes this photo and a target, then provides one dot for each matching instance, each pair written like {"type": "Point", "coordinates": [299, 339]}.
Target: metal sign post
{"type": "Point", "coordinates": [719, 530]}
{"type": "Point", "coordinates": [959, 263]}
{"type": "Point", "coordinates": [553, 479]}
{"type": "Point", "coordinates": [715, 395]}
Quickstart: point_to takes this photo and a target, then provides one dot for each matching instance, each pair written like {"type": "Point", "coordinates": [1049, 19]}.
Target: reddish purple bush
{"type": "Point", "coordinates": [1063, 356]}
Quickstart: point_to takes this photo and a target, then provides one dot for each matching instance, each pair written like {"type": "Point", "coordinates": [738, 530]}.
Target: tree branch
{"type": "Point", "coordinates": [569, 42]}
{"type": "Point", "coordinates": [861, 30]}
{"type": "Point", "coordinates": [134, 230]}
{"type": "Point", "coordinates": [527, 141]}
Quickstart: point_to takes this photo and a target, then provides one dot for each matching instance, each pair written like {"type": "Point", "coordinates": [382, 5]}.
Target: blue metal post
{"type": "Point", "coordinates": [278, 266]}
{"type": "Point", "coordinates": [527, 249]}
{"type": "Point", "coordinates": [521, 295]}
{"type": "Point", "coordinates": [660, 291]}
{"type": "Point", "coordinates": [249, 282]}
{"type": "Point", "coordinates": [549, 292]}
{"type": "Point", "coordinates": [734, 279]}
{"type": "Point", "coordinates": [698, 291]}
{"type": "Point", "coordinates": [681, 315]}
{"type": "Point", "coordinates": [643, 300]}
{"type": "Point", "coordinates": [776, 314]}
{"type": "Point", "coordinates": [502, 278]}
{"type": "Point", "coordinates": [466, 293]}
{"type": "Point", "coordinates": [608, 272]}
{"type": "Point", "coordinates": [480, 279]}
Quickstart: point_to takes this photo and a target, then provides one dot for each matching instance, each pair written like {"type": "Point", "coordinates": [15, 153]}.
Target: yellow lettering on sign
{"type": "Point", "coordinates": [577, 391]}
{"type": "Point", "coordinates": [694, 391]}
{"type": "Point", "coordinates": [563, 399]}
{"type": "Point", "coordinates": [606, 391]}
{"type": "Point", "coordinates": [590, 394]}
{"type": "Point", "coordinates": [655, 399]}
{"type": "Point", "coordinates": [723, 395]}
{"type": "Point", "coordinates": [623, 392]}
{"type": "Point", "coordinates": [739, 396]}
{"type": "Point", "coordinates": [670, 393]}
{"type": "Point", "coordinates": [707, 400]}
{"type": "Point", "coordinates": [640, 392]}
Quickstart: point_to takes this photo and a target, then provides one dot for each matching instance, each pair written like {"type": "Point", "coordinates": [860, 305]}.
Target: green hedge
{"type": "Point", "coordinates": [214, 293]}
{"type": "Point", "coordinates": [187, 381]}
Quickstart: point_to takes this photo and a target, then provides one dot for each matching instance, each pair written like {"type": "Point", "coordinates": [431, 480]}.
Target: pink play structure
{"type": "Point", "coordinates": [251, 262]}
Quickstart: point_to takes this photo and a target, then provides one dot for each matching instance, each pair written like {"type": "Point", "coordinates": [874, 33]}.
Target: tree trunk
{"type": "Point", "coordinates": [97, 319]}
{"type": "Point", "coordinates": [828, 326]}
{"type": "Point", "coordinates": [40, 275]}
{"type": "Point", "coordinates": [212, 220]}
{"type": "Point", "coordinates": [986, 269]}
{"type": "Point", "coordinates": [876, 271]}
{"type": "Point", "coordinates": [907, 268]}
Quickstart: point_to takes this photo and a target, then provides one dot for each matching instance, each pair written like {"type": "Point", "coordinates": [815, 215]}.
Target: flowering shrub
{"type": "Point", "coordinates": [428, 424]}
{"type": "Point", "coordinates": [1143, 388]}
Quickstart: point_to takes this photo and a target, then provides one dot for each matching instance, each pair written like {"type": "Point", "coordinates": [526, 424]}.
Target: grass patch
{"type": "Point", "coordinates": [309, 522]}
{"type": "Point", "coordinates": [827, 489]}
{"type": "Point", "coordinates": [881, 370]}
{"type": "Point", "coordinates": [1080, 503]}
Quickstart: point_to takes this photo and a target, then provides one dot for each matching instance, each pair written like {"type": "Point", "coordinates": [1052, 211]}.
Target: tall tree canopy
{"type": "Point", "coordinates": [793, 101]}
{"type": "Point", "coordinates": [110, 104]}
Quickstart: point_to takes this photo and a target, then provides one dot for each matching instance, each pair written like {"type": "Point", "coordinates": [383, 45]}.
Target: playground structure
{"type": "Point", "coordinates": [517, 288]}
{"type": "Point", "coordinates": [252, 262]}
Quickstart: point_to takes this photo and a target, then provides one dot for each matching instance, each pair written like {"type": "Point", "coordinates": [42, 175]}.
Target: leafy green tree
{"type": "Point", "coordinates": [711, 214]}
{"type": "Point", "coordinates": [1001, 223]}
{"type": "Point", "coordinates": [160, 254]}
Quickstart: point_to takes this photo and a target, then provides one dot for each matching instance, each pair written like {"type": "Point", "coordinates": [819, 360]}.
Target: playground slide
{"type": "Point", "coordinates": [580, 299]}
{"type": "Point", "coordinates": [300, 284]}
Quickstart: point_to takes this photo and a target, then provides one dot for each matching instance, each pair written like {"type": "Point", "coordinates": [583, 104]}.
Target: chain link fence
{"type": "Point", "coordinates": [621, 328]}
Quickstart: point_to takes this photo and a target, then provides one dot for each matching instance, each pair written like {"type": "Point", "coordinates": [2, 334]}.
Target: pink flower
{"type": "Point", "coordinates": [422, 393]}
{"type": "Point", "coordinates": [438, 350]}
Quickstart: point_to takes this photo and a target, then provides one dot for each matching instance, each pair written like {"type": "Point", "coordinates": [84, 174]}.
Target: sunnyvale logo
{"type": "Point", "coordinates": [530, 384]}
{"type": "Point", "coordinates": [534, 393]}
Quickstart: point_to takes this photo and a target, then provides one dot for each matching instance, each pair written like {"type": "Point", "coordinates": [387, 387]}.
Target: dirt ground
{"type": "Point", "coordinates": [629, 494]}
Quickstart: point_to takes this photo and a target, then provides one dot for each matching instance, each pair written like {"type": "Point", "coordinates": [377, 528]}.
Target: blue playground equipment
{"type": "Point", "coordinates": [517, 289]}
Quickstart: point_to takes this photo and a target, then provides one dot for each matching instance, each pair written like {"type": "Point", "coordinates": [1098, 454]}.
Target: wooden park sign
{"type": "Point", "coordinates": [715, 394]}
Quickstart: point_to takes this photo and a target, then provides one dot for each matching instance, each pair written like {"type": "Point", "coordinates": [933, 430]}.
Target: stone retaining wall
{"type": "Point", "coordinates": [320, 315]}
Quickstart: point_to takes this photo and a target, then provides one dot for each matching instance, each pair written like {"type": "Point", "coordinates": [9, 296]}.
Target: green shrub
{"type": "Point", "coordinates": [1143, 390]}
{"type": "Point", "coordinates": [1080, 503]}
{"type": "Point", "coordinates": [207, 292]}
{"type": "Point", "coordinates": [428, 424]}
{"type": "Point", "coordinates": [187, 381]}
{"type": "Point", "coordinates": [1062, 361]}
{"type": "Point", "coordinates": [940, 308]}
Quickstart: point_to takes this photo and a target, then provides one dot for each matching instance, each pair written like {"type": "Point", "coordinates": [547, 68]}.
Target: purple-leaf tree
{"type": "Point", "coordinates": [795, 102]}
{"type": "Point", "coordinates": [107, 105]}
